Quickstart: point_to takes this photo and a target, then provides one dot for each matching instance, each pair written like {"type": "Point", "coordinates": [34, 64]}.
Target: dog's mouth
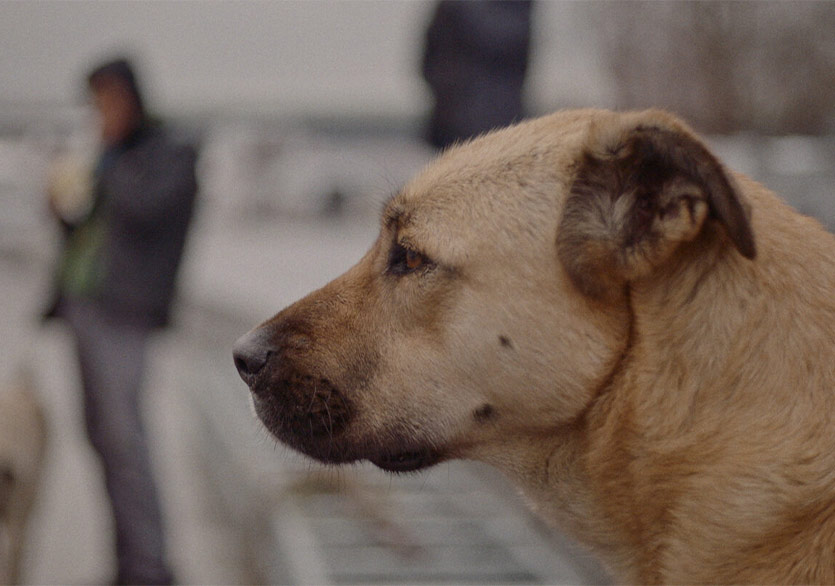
{"type": "Point", "coordinates": [407, 461]}
{"type": "Point", "coordinates": [314, 417]}
{"type": "Point", "coordinates": [306, 412]}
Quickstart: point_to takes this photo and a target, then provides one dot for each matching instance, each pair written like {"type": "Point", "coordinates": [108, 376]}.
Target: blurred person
{"type": "Point", "coordinates": [475, 61]}
{"type": "Point", "coordinates": [115, 285]}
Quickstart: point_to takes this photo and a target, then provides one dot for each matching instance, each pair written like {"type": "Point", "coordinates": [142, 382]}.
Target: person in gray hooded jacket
{"type": "Point", "coordinates": [115, 284]}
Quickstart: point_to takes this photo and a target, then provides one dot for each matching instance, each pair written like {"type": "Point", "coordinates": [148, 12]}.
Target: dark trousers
{"type": "Point", "coordinates": [112, 359]}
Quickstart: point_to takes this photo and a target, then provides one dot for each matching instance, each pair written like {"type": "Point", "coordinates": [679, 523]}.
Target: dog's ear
{"type": "Point", "coordinates": [639, 191]}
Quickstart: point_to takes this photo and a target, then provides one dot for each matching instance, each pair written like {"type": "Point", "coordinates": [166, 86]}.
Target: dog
{"type": "Point", "coordinates": [642, 340]}
{"type": "Point", "coordinates": [23, 432]}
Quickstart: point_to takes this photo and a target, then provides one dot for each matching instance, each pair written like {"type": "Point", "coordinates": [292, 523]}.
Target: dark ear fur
{"type": "Point", "coordinates": [638, 193]}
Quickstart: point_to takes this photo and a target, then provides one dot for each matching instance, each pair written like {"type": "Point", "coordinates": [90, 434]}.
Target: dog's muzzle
{"type": "Point", "coordinates": [302, 407]}
{"type": "Point", "coordinates": [298, 405]}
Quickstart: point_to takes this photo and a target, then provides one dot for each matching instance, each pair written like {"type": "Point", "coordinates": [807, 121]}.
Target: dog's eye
{"type": "Point", "coordinates": [413, 260]}
{"type": "Point", "coordinates": [404, 260]}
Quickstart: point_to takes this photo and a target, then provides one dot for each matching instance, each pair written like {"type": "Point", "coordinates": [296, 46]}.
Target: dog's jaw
{"type": "Point", "coordinates": [309, 412]}
{"type": "Point", "coordinates": [326, 437]}
{"type": "Point", "coordinates": [300, 406]}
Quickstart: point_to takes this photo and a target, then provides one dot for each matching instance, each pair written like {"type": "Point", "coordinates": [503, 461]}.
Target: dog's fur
{"type": "Point", "coordinates": [22, 448]}
{"type": "Point", "coordinates": [641, 339]}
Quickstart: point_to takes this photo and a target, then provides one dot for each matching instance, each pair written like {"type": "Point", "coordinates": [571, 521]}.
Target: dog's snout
{"type": "Point", "coordinates": [251, 355]}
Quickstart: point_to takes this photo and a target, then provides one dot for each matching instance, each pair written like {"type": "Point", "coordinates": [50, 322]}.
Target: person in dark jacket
{"type": "Point", "coordinates": [116, 282]}
{"type": "Point", "coordinates": [475, 61]}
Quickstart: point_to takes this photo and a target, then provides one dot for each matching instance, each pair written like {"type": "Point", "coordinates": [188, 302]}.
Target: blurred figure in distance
{"type": "Point", "coordinates": [115, 285]}
{"type": "Point", "coordinates": [475, 61]}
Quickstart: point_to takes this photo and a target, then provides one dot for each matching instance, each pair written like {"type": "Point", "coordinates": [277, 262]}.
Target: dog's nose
{"type": "Point", "coordinates": [251, 354]}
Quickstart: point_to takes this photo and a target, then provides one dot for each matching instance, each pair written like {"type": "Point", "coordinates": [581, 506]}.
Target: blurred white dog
{"type": "Point", "coordinates": [22, 448]}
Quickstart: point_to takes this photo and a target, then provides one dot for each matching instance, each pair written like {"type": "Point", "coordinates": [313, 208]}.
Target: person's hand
{"type": "Point", "coordinates": [70, 188]}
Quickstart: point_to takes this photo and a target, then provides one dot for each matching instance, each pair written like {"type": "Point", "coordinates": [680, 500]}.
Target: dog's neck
{"type": "Point", "coordinates": [687, 320]}
{"type": "Point", "coordinates": [581, 477]}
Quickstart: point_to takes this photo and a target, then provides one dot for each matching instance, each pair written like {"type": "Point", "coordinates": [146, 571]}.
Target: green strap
{"type": "Point", "coordinates": [81, 265]}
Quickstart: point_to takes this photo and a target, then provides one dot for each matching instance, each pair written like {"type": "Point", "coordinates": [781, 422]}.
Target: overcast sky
{"type": "Point", "coordinates": [207, 53]}
{"type": "Point", "coordinates": [323, 55]}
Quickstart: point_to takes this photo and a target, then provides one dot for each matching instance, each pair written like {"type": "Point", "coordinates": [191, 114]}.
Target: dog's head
{"type": "Point", "coordinates": [494, 302]}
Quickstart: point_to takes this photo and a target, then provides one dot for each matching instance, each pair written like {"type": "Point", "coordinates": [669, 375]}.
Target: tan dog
{"type": "Point", "coordinates": [641, 339]}
{"type": "Point", "coordinates": [22, 447]}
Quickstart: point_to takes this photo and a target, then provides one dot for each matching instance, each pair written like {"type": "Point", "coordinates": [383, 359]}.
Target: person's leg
{"type": "Point", "coordinates": [112, 359]}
